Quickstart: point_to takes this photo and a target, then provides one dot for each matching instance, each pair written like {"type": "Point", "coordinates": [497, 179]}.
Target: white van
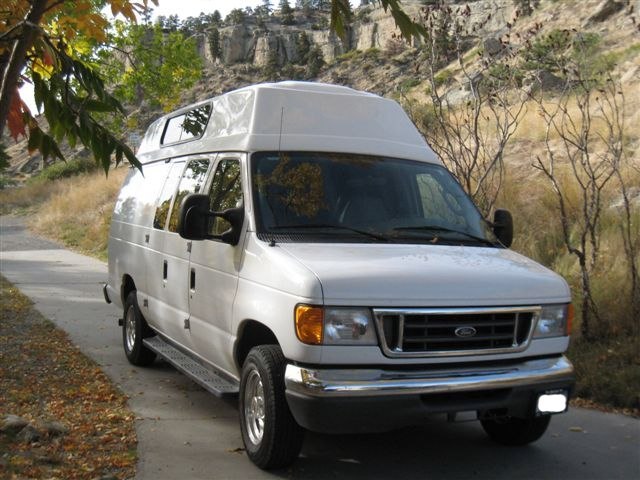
{"type": "Point", "coordinates": [301, 245]}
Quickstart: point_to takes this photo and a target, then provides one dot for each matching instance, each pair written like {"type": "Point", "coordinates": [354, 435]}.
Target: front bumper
{"type": "Point", "coordinates": [352, 400]}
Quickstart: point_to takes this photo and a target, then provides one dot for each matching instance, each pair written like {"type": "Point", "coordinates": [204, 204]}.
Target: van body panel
{"type": "Point", "coordinates": [271, 117]}
{"type": "Point", "coordinates": [356, 356]}
{"type": "Point", "coordinates": [403, 275]}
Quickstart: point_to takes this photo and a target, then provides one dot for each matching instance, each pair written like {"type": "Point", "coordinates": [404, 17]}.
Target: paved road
{"type": "Point", "coordinates": [185, 433]}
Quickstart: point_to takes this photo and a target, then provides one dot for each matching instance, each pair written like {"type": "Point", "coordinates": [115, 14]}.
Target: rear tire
{"type": "Point", "coordinates": [134, 330]}
{"type": "Point", "coordinates": [513, 431]}
{"type": "Point", "coordinates": [271, 436]}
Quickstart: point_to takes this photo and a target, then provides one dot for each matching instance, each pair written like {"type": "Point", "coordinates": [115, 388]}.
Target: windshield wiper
{"type": "Point", "coordinates": [450, 230]}
{"type": "Point", "coordinates": [329, 225]}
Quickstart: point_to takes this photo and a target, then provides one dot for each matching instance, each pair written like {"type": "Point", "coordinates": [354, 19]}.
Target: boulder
{"type": "Point", "coordinates": [492, 46]}
{"type": "Point", "coordinates": [29, 434]}
{"type": "Point", "coordinates": [12, 424]}
{"type": "Point", "coordinates": [542, 80]}
{"type": "Point", "coordinates": [54, 429]}
{"type": "Point", "coordinates": [604, 10]}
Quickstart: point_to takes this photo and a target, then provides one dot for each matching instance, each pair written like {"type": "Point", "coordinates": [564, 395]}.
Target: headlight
{"type": "Point", "coordinates": [334, 326]}
{"type": "Point", "coordinates": [554, 321]}
{"type": "Point", "coordinates": [348, 326]}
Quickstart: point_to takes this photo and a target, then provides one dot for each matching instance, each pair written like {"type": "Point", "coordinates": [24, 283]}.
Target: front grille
{"type": "Point", "coordinates": [455, 331]}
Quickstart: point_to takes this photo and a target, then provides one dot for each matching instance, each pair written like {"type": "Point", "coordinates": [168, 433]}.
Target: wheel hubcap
{"type": "Point", "coordinates": [254, 407]}
{"type": "Point", "coordinates": [130, 329]}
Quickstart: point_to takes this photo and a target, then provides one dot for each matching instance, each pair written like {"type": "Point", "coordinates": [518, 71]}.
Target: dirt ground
{"type": "Point", "coordinates": [60, 416]}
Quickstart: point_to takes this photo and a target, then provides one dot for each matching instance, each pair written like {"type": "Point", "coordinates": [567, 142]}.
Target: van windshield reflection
{"type": "Point", "coordinates": [345, 197]}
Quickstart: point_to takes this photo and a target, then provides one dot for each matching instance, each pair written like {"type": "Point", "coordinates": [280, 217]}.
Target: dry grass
{"type": "Point", "coordinates": [78, 211]}
{"type": "Point", "coordinates": [538, 235]}
{"type": "Point", "coordinates": [24, 198]}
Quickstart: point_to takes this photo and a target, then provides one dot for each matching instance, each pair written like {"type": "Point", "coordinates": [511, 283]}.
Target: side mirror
{"type": "Point", "coordinates": [503, 226]}
{"type": "Point", "coordinates": [193, 222]}
{"type": "Point", "coordinates": [193, 219]}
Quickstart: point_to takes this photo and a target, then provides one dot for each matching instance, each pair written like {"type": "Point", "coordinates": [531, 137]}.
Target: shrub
{"type": "Point", "coordinates": [66, 169]}
{"type": "Point", "coordinates": [443, 77]}
{"type": "Point", "coordinates": [409, 83]}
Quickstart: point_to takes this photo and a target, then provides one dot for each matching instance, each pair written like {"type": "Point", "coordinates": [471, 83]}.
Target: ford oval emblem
{"type": "Point", "coordinates": [465, 332]}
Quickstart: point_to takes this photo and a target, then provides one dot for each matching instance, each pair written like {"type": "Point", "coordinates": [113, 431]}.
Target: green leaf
{"type": "Point", "coordinates": [35, 139]}
{"type": "Point", "coordinates": [340, 17]}
{"type": "Point", "coordinates": [97, 106]}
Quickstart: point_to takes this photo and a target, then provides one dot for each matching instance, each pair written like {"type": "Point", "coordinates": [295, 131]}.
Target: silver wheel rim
{"type": "Point", "coordinates": [254, 407]}
{"type": "Point", "coordinates": [130, 329]}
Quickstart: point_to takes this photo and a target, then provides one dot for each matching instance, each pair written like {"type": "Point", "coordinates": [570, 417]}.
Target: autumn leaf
{"type": "Point", "coordinates": [15, 119]}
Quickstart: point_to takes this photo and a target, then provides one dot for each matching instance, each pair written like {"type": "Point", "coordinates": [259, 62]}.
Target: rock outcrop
{"type": "Point", "coordinates": [373, 28]}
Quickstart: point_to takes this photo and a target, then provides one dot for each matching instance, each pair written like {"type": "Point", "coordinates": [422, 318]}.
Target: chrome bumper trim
{"type": "Point", "coordinates": [376, 383]}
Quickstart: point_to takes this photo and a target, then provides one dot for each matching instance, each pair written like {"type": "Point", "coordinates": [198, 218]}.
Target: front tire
{"type": "Point", "coordinates": [134, 330]}
{"type": "Point", "coordinates": [271, 436]}
{"type": "Point", "coordinates": [513, 431]}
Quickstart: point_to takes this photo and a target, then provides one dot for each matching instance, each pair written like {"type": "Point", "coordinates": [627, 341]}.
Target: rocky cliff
{"type": "Point", "coordinates": [255, 42]}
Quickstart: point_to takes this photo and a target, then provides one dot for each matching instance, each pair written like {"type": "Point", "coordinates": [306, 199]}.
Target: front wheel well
{"type": "Point", "coordinates": [252, 334]}
{"type": "Point", "coordinates": [127, 286]}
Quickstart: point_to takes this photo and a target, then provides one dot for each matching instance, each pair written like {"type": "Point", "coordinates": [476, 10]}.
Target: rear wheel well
{"type": "Point", "coordinates": [127, 287]}
{"type": "Point", "coordinates": [251, 335]}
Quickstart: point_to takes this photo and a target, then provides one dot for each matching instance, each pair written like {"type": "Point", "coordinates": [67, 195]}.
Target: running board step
{"type": "Point", "coordinates": [208, 377]}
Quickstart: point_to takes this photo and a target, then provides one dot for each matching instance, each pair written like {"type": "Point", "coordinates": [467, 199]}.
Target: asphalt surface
{"type": "Point", "coordinates": [186, 433]}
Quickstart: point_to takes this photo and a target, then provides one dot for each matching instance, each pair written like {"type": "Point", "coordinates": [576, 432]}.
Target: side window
{"type": "Point", "coordinates": [192, 180]}
{"type": "Point", "coordinates": [226, 192]}
{"type": "Point", "coordinates": [164, 201]}
{"type": "Point", "coordinates": [186, 126]}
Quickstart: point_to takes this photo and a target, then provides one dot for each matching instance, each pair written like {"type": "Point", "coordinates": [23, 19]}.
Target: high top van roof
{"type": "Point", "coordinates": [292, 116]}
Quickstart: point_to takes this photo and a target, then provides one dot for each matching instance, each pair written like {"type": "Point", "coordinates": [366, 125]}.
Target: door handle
{"type": "Point", "coordinates": [192, 281]}
{"type": "Point", "coordinates": [165, 269]}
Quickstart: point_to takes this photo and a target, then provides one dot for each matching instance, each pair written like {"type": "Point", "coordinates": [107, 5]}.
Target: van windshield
{"type": "Point", "coordinates": [337, 197]}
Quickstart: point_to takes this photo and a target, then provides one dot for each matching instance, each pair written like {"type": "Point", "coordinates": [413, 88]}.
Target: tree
{"type": "Point", "coordinates": [584, 153]}
{"type": "Point", "coordinates": [48, 43]}
{"type": "Point", "coordinates": [468, 126]}
{"type": "Point", "coordinates": [267, 7]}
{"type": "Point", "coordinates": [272, 68]}
{"type": "Point", "coordinates": [315, 62]}
{"type": "Point", "coordinates": [151, 64]}
{"type": "Point", "coordinates": [305, 7]}
{"type": "Point", "coordinates": [286, 13]}
{"type": "Point", "coordinates": [235, 17]}
{"type": "Point", "coordinates": [303, 45]}
{"type": "Point", "coordinates": [214, 43]}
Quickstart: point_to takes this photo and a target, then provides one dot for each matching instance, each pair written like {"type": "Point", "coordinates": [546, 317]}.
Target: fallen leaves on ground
{"type": "Point", "coordinates": [43, 378]}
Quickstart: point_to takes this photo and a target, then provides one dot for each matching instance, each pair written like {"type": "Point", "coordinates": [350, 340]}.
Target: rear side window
{"type": "Point", "coordinates": [226, 192]}
{"type": "Point", "coordinates": [164, 201]}
{"type": "Point", "coordinates": [192, 181]}
{"type": "Point", "coordinates": [187, 126]}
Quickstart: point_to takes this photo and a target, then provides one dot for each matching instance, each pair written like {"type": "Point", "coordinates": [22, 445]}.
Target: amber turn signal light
{"type": "Point", "coordinates": [570, 313]}
{"type": "Point", "coordinates": [309, 323]}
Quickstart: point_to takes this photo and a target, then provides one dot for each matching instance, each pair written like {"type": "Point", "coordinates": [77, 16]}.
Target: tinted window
{"type": "Point", "coordinates": [164, 201]}
{"type": "Point", "coordinates": [187, 126]}
{"type": "Point", "coordinates": [191, 182]}
{"type": "Point", "coordinates": [348, 197]}
{"type": "Point", "coordinates": [226, 192]}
